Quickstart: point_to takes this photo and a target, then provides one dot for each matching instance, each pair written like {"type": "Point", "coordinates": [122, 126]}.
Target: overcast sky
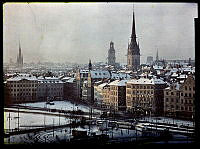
{"type": "Point", "coordinates": [75, 32]}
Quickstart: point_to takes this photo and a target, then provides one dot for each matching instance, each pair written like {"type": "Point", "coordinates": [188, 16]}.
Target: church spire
{"type": "Point", "coordinates": [133, 35]}
{"type": "Point", "coordinates": [157, 56]}
{"type": "Point", "coordinates": [90, 65]}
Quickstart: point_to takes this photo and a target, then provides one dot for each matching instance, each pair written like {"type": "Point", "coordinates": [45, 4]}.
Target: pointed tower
{"type": "Point", "coordinates": [90, 85]}
{"type": "Point", "coordinates": [157, 59]}
{"type": "Point", "coordinates": [133, 54]}
{"type": "Point", "coordinates": [20, 58]}
{"type": "Point", "coordinates": [78, 84]}
{"type": "Point", "coordinates": [90, 65]}
{"type": "Point", "coordinates": [111, 54]}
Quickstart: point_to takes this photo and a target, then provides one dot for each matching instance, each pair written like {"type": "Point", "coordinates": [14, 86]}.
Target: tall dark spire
{"type": "Point", "coordinates": [157, 56]}
{"type": "Point", "coordinates": [20, 57]}
{"type": "Point", "coordinates": [19, 49]}
{"type": "Point", "coordinates": [90, 65]}
{"type": "Point", "coordinates": [133, 35]}
{"type": "Point", "coordinates": [133, 54]}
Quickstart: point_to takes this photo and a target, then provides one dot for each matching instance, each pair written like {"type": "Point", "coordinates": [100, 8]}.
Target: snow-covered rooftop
{"type": "Point", "coordinates": [120, 75]}
{"type": "Point", "coordinates": [118, 83]}
{"type": "Point", "coordinates": [182, 76]}
{"type": "Point", "coordinates": [146, 81]}
{"type": "Point", "coordinates": [100, 74]}
{"type": "Point", "coordinates": [174, 75]}
{"type": "Point", "coordinates": [66, 78]}
{"type": "Point", "coordinates": [102, 85]}
{"type": "Point", "coordinates": [71, 80]}
{"type": "Point", "coordinates": [19, 78]}
{"type": "Point", "coordinates": [156, 67]}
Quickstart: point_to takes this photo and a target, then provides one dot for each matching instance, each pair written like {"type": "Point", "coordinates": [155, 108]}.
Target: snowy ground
{"type": "Point", "coordinates": [29, 119]}
{"type": "Point", "coordinates": [168, 120]}
{"type": "Point", "coordinates": [65, 134]}
{"type": "Point", "coordinates": [64, 105]}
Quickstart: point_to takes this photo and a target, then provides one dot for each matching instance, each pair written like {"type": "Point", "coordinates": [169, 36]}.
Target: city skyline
{"type": "Point", "coordinates": [47, 35]}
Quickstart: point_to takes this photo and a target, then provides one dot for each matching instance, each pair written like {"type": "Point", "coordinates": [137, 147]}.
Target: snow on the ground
{"type": "Point", "coordinates": [30, 119]}
{"type": "Point", "coordinates": [64, 105]}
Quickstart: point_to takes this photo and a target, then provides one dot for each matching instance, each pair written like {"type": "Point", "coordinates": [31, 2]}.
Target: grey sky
{"type": "Point", "coordinates": [75, 32]}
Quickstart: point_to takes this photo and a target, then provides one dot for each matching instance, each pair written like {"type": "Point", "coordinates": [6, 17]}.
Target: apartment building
{"type": "Point", "coordinates": [172, 100]}
{"type": "Point", "coordinates": [51, 87]}
{"type": "Point", "coordinates": [117, 98]}
{"type": "Point", "coordinates": [22, 88]}
{"type": "Point", "coordinates": [145, 96]}
{"type": "Point", "coordinates": [179, 99]}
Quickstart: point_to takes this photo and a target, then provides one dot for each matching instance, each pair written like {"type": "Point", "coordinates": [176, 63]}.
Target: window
{"type": "Point", "coordinates": [177, 107]}
{"type": "Point", "coordinates": [182, 108]}
{"type": "Point", "coordinates": [186, 101]}
{"type": "Point", "coordinates": [177, 100]}
{"type": "Point", "coordinates": [185, 87]}
{"type": "Point", "coordinates": [172, 93]}
{"type": "Point", "coordinates": [181, 94]}
{"type": "Point", "coordinates": [190, 95]}
{"type": "Point", "coordinates": [167, 93]}
{"type": "Point", "coordinates": [172, 100]}
{"type": "Point", "coordinates": [185, 94]}
{"type": "Point", "coordinates": [167, 100]}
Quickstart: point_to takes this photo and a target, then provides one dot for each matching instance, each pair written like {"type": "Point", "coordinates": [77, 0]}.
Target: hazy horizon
{"type": "Point", "coordinates": [75, 32]}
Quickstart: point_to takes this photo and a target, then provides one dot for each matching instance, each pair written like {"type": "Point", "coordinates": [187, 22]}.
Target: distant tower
{"type": "Point", "coordinates": [90, 65]}
{"type": "Point", "coordinates": [133, 54]}
{"type": "Point", "coordinates": [20, 58]}
{"type": "Point", "coordinates": [78, 85]}
{"type": "Point", "coordinates": [157, 59]}
{"type": "Point", "coordinates": [90, 87]}
{"type": "Point", "coordinates": [111, 55]}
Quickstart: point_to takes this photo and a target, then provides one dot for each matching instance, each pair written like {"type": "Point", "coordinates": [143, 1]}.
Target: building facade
{"type": "Point", "coordinates": [117, 95]}
{"type": "Point", "coordinates": [179, 99]}
{"type": "Point", "coordinates": [22, 88]}
{"type": "Point", "coordinates": [145, 96]}
{"type": "Point", "coordinates": [172, 100]}
{"type": "Point", "coordinates": [49, 87]}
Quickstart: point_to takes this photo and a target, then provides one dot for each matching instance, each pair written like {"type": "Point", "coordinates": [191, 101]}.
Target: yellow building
{"type": "Point", "coordinates": [179, 101]}
{"type": "Point", "coordinates": [145, 96]}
